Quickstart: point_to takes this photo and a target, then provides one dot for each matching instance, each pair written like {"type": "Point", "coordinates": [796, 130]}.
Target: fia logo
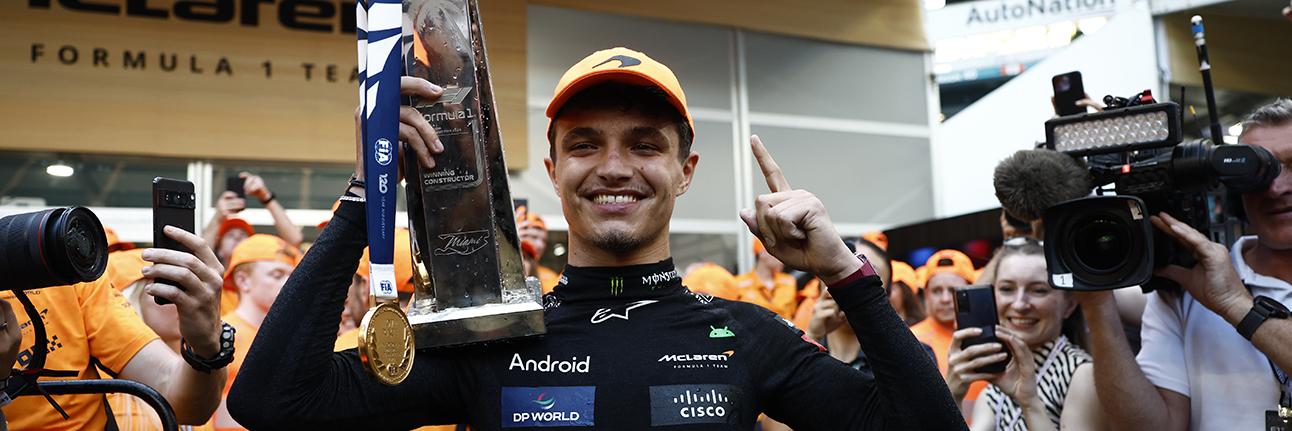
{"type": "Point", "coordinates": [383, 151]}
{"type": "Point", "coordinates": [386, 288]}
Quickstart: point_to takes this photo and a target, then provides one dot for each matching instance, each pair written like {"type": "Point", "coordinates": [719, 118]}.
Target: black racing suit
{"type": "Point", "coordinates": [637, 352]}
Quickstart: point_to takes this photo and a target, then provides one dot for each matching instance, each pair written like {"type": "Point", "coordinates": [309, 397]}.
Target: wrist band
{"type": "Point", "coordinates": [269, 199]}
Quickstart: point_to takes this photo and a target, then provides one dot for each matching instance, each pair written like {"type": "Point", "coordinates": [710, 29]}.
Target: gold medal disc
{"type": "Point", "coordinates": [386, 343]}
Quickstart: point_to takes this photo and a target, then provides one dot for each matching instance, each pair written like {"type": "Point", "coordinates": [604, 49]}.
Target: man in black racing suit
{"type": "Point", "coordinates": [627, 346]}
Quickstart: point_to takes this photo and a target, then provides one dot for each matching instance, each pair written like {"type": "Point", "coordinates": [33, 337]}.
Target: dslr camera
{"type": "Point", "coordinates": [54, 247]}
{"type": "Point", "coordinates": [1140, 166]}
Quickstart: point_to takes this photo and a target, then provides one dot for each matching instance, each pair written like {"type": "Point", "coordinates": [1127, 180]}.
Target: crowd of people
{"type": "Point", "coordinates": [258, 334]}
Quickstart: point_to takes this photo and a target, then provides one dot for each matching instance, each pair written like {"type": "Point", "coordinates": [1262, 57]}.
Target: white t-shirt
{"type": "Point", "coordinates": [1192, 350]}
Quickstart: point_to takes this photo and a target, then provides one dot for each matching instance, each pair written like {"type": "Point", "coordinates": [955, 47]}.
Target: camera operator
{"type": "Point", "coordinates": [1195, 371]}
{"type": "Point", "coordinates": [92, 326]}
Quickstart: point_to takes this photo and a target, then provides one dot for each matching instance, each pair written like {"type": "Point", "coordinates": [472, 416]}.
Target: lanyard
{"type": "Point", "coordinates": [379, 102]}
{"type": "Point", "coordinates": [1285, 396]}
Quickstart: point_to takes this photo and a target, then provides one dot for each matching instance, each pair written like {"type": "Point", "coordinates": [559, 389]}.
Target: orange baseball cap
{"type": "Point", "coordinates": [623, 65]}
{"type": "Point", "coordinates": [114, 242]}
{"type": "Point", "coordinates": [949, 261]}
{"type": "Point", "coordinates": [525, 219]}
{"type": "Point", "coordinates": [126, 267]}
{"type": "Point", "coordinates": [903, 273]}
{"type": "Point", "coordinates": [260, 247]}
{"type": "Point", "coordinates": [403, 261]}
{"type": "Point", "coordinates": [234, 223]}
{"type": "Point", "coordinates": [876, 237]}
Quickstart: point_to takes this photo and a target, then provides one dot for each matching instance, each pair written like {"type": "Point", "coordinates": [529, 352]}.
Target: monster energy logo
{"type": "Point", "coordinates": [616, 286]}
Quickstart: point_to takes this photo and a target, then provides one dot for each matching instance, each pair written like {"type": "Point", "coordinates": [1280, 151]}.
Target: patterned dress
{"type": "Point", "coordinates": [1056, 363]}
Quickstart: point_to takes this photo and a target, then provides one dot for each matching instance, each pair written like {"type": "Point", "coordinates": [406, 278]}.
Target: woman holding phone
{"type": "Point", "coordinates": [1048, 382]}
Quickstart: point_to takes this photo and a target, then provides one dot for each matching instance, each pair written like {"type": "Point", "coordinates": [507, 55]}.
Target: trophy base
{"type": "Point", "coordinates": [463, 326]}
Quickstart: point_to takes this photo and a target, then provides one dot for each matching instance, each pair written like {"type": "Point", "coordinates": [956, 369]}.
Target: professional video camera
{"type": "Point", "coordinates": [1135, 145]}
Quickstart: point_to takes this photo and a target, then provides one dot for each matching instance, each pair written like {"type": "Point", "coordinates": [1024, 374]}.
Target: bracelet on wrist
{"type": "Point", "coordinates": [221, 359]}
{"type": "Point", "coordinates": [269, 199]}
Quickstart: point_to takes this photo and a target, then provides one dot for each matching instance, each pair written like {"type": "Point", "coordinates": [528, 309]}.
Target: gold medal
{"type": "Point", "coordinates": [386, 343]}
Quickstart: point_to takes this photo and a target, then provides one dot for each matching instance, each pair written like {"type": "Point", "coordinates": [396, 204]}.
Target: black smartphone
{"type": "Point", "coordinates": [976, 308]}
{"type": "Point", "coordinates": [235, 184]}
{"type": "Point", "coordinates": [174, 203]}
{"type": "Point", "coordinates": [1068, 89]}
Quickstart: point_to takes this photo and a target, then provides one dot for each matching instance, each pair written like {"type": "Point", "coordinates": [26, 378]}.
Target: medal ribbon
{"type": "Point", "coordinates": [381, 64]}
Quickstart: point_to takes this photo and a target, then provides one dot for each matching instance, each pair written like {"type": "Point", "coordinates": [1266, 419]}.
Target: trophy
{"type": "Point", "coordinates": [467, 268]}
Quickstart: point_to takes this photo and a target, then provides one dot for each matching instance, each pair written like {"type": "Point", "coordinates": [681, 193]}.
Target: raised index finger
{"type": "Point", "coordinates": [776, 181]}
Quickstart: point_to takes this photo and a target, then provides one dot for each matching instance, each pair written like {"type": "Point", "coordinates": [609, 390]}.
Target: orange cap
{"type": "Point", "coordinates": [114, 242]}
{"type": "Point", "coordinates": [126, 267]}
{"type": "Point", "coordinates": [325, 221]}
{"type": "Point", "coordinates": [876, 237]}
{"type": "Point", "coordinates": [525, 219]}
{"type": "Point", "coordinates": [234, 223]}
{"type": "Point", "coordinates": [256, 248]}
{"type": "Point", "coordinates": [618, 65]}
{"type": "Point", "coordinates": [758, 247]}
{"type": "Point", "coordinates": [949, 261]}
{"type": "Point", "coordinates": [903, 273]}
{"type": "Point", "coordinates": [403, 261]}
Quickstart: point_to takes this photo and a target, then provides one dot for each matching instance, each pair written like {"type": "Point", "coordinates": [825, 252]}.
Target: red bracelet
{"type": "Point", "coordinates": [866, 270]}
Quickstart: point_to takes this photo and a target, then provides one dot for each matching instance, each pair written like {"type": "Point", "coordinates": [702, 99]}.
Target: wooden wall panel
{"type": "Point", "coordinates": [883, 23]}
{"type": "Point", "coordinates": [219, 101]}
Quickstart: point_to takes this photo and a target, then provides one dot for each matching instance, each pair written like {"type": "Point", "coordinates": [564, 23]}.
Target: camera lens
{"type": "Point", "coordinates": [1101, 244]}
{"type": "Point", "coordinates": [51, 248]}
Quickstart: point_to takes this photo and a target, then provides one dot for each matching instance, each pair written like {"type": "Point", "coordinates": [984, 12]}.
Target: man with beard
{"type": "Point", "coordinates": [627, 345]}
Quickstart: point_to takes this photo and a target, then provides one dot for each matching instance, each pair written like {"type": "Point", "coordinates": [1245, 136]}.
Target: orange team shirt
{"type": "Point", "coordinates": [938, 337]}
{"type": "Point", "coordinates": [548, 278]}
{"type": "Point", "coordinates": [350, 340]}
{"type": "Point", "coordinates": [782, 299]}
{"type": "Point", "coordinates": [810, 293]}
{"type": "Point", "coordinates": [242, 338]}
{"type": "Point", "coordinates": [85, 323]}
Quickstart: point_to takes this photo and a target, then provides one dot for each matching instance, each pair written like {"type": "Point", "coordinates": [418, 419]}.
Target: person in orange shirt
{"type": "Point", "coordinates": [767, 286]}
{"type": "Point", "coordinates": [115, 243]}
{"type": "Point", "coordinates": [533, 230]}
{"type": "Point", "coordinates": [258, 268]}
{"type": "Point", "coordinates": [945, 271]}
{"type": "Point", "coordinates": [226, 229]}
{"type": "Point", "coordinates": [91, 327]}
{"type": "Point", "coordinates": [711, 279]}
{"type": "Point", "coordinates": [130, 412]}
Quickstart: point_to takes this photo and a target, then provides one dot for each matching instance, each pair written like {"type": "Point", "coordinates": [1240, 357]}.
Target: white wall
{"type": "Point", "coordinates": [1120, 60]}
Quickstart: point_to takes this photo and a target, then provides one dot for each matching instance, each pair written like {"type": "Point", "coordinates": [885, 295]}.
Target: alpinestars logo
{"type": "Point", "coordinates": [689, 361]}
{"type": "Point", "coordinates": [616, 286]}
{"type": "Point", "coordinates": [605, 314]}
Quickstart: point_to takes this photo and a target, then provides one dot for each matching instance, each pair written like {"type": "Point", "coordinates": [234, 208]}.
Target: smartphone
{"type": "Point", "coordinates": [976, 308]}
{"type": "Point", "coordinates": [1068, 89]}
{"type": "Point", "coordinates": [235, 184]}
{"type": "Point", "coordinates": [174, 203]}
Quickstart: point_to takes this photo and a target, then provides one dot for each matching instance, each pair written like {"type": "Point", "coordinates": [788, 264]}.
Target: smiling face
{"type": "Point", "coordinates": [1270, 212]}
{"type": "Point", "coordinates": [1025, 302]}
{"type": "Point", "coordinates": [617, 171]}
